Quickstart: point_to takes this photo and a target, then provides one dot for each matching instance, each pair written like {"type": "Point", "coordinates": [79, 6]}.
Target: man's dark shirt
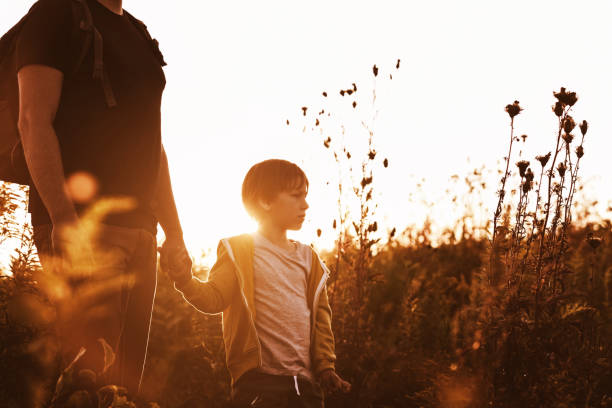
{"type": "Point", "coordinates": [119, 146]}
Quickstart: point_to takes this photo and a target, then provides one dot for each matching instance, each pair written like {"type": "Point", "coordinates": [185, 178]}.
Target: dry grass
{"type": "Point", "coordinates": [520, 316]}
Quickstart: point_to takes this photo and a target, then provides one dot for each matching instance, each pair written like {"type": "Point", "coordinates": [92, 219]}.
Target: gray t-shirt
{"type": "Point", "coordinates": [282, 317]}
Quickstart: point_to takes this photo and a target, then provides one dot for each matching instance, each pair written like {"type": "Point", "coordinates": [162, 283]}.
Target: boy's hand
{"type": "Point", "coordinates": [175, 260]}
{"type": "Point", "coordinates": [331, 382]}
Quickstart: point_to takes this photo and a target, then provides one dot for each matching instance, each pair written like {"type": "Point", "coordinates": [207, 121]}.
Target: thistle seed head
{"type": "Point", "coordinates": [365, 181]}
{"type": "Point", "coordinates": [522, 166]}
{"type": "Point", "coordinates": [543, 159]}
{"type": "Point", "coordinates": [513, 109]}
{"type": "Point", "coordinates": [579, 151]}
{"type": "Point", "coordinates": [565, 97]}
{"type": "Point", "coordinates": [561, 169]}
{"type": "Point", "coordinates": [569, 124]}
{"type": "Point", "coordinates": [558, 108]}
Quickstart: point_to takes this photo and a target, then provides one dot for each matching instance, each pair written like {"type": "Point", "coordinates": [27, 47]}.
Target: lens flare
{"type": "Point", "coordinates": [81, 187]}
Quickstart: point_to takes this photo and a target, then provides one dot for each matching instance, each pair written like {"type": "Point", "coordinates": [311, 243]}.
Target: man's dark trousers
{"type": "Point", "coordinates": [113, 303]}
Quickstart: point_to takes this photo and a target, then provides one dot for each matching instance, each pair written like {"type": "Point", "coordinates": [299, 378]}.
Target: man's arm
{"type": "Point", "coordinates": [40, 89]}
{"type": "Point", "coordinates": [165, 207]}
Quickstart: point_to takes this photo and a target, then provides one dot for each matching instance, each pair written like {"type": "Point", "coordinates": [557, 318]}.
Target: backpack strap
{"type": "Point", "coordinates": [152, 42]}
{"type": "Point", "coordinates": [82, 14]}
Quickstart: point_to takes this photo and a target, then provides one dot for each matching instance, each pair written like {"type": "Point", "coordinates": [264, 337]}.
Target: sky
{"type": "Point", "coordinates": [238, 70]}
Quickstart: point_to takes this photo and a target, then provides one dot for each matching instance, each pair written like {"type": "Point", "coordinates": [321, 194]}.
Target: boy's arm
{"type": "Point", "coordinates": [214, 295]}
{"type": "Point", "coordinates": [324, 355]}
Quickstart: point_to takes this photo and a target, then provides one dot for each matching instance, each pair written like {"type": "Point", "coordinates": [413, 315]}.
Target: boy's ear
{"type": "Point", "coordinates": [265, 205]}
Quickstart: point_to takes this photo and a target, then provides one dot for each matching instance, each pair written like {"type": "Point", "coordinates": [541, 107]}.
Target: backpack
{"type": "Point", "coordinates": [13, 167]}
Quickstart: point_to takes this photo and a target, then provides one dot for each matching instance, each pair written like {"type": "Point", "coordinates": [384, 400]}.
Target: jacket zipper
{"type": "Point", "coordinates": [324, 277]}
{"type": "Point", "coordinates": [228, 247]}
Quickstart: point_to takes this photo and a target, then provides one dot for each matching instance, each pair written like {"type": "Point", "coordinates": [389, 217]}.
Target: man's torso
{"type": "Point", "coordinates": [120, 146]}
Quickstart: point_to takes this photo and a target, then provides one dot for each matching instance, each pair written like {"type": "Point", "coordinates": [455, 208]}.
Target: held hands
{"type": "Point", "coordinates": [175, 260]}
{"type": "Point", "coordinates": [331, 382]}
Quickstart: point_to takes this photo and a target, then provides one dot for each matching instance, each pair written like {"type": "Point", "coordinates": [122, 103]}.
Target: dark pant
{"type": "Point", "coordinates": [260, 390]}
{"type": "Point", "coordinates": [112, 301]}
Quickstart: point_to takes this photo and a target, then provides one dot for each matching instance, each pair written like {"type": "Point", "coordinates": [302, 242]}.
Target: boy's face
{"type": "Point", "coordinates": [288, 209]}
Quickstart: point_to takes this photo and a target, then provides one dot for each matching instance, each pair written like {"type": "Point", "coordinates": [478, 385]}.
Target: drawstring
{"type": "Point", "coordinates": [297, 389]}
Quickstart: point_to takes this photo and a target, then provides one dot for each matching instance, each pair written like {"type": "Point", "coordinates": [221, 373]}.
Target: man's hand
{"type": "Point", "coordinates": [175, 260]}
{"type": "Point", "coordinates": [331, 382]}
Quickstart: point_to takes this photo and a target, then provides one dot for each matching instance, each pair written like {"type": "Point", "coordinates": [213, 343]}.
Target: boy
{"type": "Point", "coordinates": [271, 290]}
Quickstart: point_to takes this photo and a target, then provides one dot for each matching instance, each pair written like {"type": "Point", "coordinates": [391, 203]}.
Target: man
{"type": "Point", "coordinates": [87, 138]}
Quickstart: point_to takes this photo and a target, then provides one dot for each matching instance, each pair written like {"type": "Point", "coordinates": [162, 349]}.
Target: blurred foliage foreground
{"type": "Point", "coordinates": [518, 318]}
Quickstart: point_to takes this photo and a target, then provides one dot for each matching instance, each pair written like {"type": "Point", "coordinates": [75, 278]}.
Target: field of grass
{"type": "Point", "coordinates": [518, 317]}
